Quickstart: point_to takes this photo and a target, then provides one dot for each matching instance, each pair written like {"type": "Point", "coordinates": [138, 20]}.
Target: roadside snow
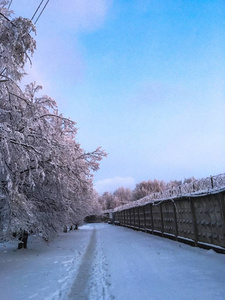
{"type": "Point", "coordinates": [41, 271]}
{"type": "Point", "coordinates": [104, 262]}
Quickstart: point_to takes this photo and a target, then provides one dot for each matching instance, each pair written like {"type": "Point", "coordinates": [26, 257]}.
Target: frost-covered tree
{"type": "Point", "coordinates": [189, 180]}
{"type": "Point", "coordinates": [173, 184]}
{"type": "Point", "coordinates": [119, 197]}
{"type": "Point", "coordinates": [45, 175]}
{"type": "Point", "coordinates": [107, 201]}
{"type": "Point", "coordinates": [145, 188]}
{"type": "Point", "coordinates": [123, 195]}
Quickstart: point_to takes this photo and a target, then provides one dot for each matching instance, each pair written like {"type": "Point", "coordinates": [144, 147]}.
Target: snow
{"type": "Point", "coordinates": [41, 271]}
{"type": "Point", "coordinates": [103, 262]}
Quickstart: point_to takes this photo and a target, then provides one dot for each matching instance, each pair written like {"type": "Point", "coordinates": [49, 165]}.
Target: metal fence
{"type": "Point", "coordinates": [196, 219]}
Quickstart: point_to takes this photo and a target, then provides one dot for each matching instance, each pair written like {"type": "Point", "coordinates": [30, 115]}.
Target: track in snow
{"type": "Point", "coordinates": [92, 279]}
{"type": "Point", "coordinates": [120, 263]}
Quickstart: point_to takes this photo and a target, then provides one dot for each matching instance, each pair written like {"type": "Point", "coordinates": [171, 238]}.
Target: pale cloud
{"type": "Point", "coordinates": [158, 93]}
{"type": "Point", "coordinates": [111, 184]}
{"type": "Point", "coordinates": [59, 58]}
{"type": "Point", "coordinates": [81, 15]}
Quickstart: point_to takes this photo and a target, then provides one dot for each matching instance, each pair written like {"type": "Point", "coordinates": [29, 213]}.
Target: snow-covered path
{"type": "Point", "coordinates": [104, 262]}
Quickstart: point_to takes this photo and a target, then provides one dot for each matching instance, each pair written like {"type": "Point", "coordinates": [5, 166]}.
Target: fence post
{"type": "Point", "coordinates": [211, 181]}
{"type": "Point", "coordinates": [160, 206]}
{"type": "Point", "coordinates": [150, 207]}
{"type": "Point", "coordinates": [139, 224]}
{"type": "Point", "coordinates": [175, 220]}
{"type": "Point", "coordinates": [144, 218]}
{"type": "Point", "coordinates": [222, 202]}
{"type": "Point", "coordinates": [134, 216]}
{"type": "Point", "coordinates": [195, 229]}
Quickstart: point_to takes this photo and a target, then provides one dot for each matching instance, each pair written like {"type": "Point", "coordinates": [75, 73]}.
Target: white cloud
{"type": "Point", "coordinates": [111, 184]}
{"type": "Point", "coordinates": [87, 15]}
{"type": "Point", "coordinates": [59, 58]}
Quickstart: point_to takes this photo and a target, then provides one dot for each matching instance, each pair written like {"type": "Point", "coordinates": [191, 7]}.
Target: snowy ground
{"type": "Point", "coordinates": [103, 262]}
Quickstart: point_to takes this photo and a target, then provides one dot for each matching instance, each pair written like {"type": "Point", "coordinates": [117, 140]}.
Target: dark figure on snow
{"type": "Point", "coordinates": [23, 238]}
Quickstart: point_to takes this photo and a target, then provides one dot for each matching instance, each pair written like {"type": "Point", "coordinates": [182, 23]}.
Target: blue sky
{"type": "Point", "coordinates": [144, 79]}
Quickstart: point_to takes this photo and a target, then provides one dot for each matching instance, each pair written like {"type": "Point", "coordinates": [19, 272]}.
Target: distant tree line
{"type": "Point", "coordinates": [123, 195]}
